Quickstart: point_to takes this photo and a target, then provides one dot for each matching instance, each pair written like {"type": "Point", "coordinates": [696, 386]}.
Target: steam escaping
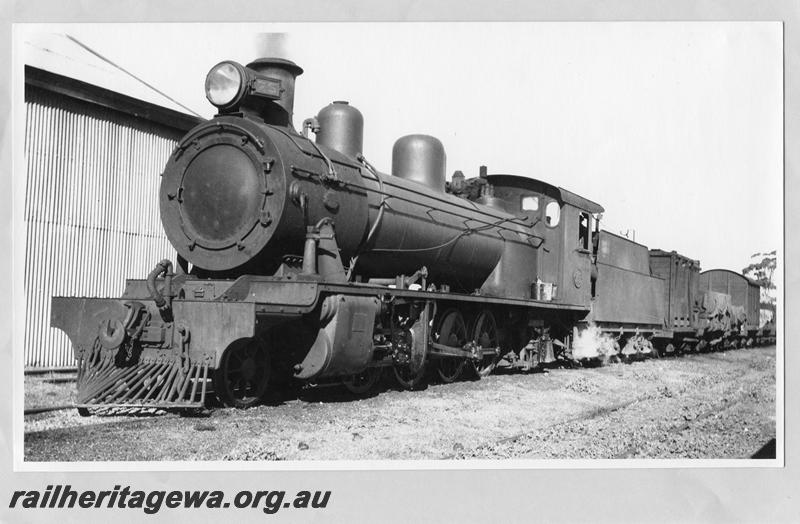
{"type": "Point", "coordinates": [637, 345]}
{"type": "Point", "coordinates": [593, 343]}
{"type": "Point", "coordinates": [273, 45]}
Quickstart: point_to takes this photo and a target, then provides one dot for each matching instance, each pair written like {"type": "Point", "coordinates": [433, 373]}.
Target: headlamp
{"type": "Point", "coordinates": [225, 84]}
{"type": "Point", "coordinates": [228, 83]}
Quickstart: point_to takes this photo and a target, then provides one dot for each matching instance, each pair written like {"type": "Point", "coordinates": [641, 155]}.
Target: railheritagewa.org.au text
{"type": "Point", "coordinates": [62, 496]}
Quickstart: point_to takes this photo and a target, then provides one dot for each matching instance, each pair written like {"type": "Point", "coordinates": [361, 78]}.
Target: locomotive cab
{"type": "Point", "coordinates": [563, 265]}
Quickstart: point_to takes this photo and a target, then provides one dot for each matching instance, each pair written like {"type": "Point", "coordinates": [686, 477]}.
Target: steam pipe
{"type": "Point", "coordinates": [162, 268]}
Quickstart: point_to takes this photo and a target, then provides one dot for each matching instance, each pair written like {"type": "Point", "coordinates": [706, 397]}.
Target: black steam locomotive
{"type": "Point", "coordinates": [297, 260]}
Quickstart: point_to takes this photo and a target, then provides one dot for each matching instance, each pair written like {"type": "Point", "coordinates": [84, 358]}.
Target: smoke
{"type": "Point", "coordinates": [593, 343]}
{"type": "Point", "coordinates": [273, 45]}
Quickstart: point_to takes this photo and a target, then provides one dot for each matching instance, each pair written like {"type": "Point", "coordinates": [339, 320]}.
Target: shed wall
{"type": "Point", "coordinates": [91, 209]}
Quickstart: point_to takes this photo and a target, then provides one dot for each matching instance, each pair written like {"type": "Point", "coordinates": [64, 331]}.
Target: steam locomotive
{"type": "Point", "coordinates": [297, 260]}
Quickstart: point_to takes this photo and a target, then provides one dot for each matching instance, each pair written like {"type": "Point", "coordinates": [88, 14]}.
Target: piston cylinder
{"type": "Point", "coordinates": [420, 159]}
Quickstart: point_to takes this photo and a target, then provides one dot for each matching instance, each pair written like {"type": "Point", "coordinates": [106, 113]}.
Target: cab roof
{"type": "Point", "coordinates": [537, 186]}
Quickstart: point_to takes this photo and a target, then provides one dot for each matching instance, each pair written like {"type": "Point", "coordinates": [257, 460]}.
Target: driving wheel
{"type": "Point", "coordinates": [484, 333]}
{"type": "Point", "coordinates": [452, 332]}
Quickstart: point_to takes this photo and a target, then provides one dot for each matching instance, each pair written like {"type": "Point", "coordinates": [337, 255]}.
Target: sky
{"type": "Point", "coordinates": [675, 128]}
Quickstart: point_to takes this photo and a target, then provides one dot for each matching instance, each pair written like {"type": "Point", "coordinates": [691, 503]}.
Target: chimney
{"type": "Point", "coordinates": [277, 112]}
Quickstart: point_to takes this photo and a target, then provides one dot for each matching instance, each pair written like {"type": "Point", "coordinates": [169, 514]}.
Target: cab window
{"type": "Point", "coordinates": [552, 213]}
{"type": "Point", "coordinates": [530, 203]}
{"type": "Point", "coordinates": [584, 229]}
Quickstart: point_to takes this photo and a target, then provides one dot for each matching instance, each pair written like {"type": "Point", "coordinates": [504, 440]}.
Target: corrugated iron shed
{"type": "Point", "coordinates": [67, 56]}
{"type": "Point", "coordinates": [96, 141]}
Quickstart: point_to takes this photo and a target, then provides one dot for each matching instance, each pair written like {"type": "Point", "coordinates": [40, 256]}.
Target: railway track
{"type": "Point", "coordinates": [592, 414]}
{"type": "Point", "coordinates": [676, 429]}
{"type": "Point", "coordinates": [615, 411]}
{"type": "Point", "coordinates": [634, 449]}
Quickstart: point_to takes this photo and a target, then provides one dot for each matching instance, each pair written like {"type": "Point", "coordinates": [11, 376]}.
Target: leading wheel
{"type": "Point", "coordinates": [241, 379]}
{"type": "Point", "coordinates": [484, 333]}
{"type": "Point", "coordinates": [361, 383]}
{"type": "Point", "coordinates": [452, 332]}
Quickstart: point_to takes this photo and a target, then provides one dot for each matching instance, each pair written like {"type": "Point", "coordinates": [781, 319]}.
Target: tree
{"type": "Point", "coordinates": [762, 270]}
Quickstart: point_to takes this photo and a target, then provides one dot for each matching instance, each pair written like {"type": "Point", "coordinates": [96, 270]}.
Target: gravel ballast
{"type": "Point", "coordinates": [716, 405]}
